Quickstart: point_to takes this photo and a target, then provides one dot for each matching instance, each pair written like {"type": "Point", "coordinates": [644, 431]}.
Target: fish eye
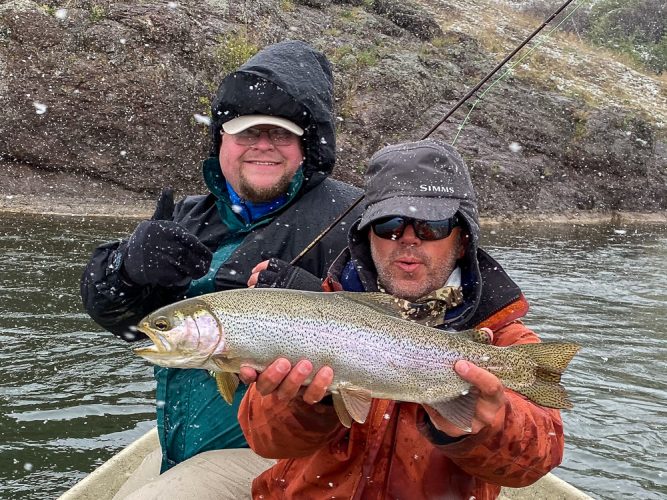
{"type": "Point", "coordinates": [161, 324]}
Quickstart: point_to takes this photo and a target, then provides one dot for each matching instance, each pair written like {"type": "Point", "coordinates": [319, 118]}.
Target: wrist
{"type": "Point", "coordinates": [300, 279]}
{"type": "Point", "coordinates": [116, 269]}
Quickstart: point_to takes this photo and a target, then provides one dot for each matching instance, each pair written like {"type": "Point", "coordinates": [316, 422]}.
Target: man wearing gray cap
{"type": "Point", "coordinates": [417, 239]}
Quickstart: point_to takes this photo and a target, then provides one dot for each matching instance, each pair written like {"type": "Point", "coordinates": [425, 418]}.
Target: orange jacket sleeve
{"type": "Point", "coordinates": [528, 444]}
{"type": "Point", "coordinates": [279, 429]}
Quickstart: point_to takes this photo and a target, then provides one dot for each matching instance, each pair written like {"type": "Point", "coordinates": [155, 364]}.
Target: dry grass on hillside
{"type": "Point", "coordinates": [562, 62]}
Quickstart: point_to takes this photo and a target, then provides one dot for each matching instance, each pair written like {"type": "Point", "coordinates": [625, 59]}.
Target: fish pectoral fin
{"type": "Point", "coordinates": [227, 384]}
{"type": "Point", "coordinates": [459, 411]}
{"type": "Point", "coordinates": [341, 411]}
{"type": "Point", "coordinates": [357, 402]}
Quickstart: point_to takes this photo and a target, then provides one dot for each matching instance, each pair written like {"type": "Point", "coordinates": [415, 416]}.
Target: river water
{"type": "Point", "coordinates": [72, 395]}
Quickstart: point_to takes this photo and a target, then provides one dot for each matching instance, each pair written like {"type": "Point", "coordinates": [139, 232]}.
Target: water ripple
{"type": "Point", "coordinates": [71, 395]}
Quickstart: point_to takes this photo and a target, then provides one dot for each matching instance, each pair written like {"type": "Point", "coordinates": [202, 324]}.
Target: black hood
{"type": "Point", "coordinates": [291, 80]}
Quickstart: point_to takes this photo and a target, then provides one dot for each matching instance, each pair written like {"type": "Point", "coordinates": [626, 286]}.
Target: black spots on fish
{"type": "Point", "coordinates": [547, 394]}
{"type": "Point", "coordinates": [547, 375]}
{"type": "Point", "coordinates": [482, 337]}
{"type": "Point", "coordinates": [553, 356]}
{"type": "Point", "coordinates": [551, 359]}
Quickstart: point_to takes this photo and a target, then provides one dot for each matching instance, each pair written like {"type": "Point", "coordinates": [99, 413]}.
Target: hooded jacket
{"type": "Point", "coordinates": [398, 453]}
{"type": "Point", "coordinates": [288, 79]}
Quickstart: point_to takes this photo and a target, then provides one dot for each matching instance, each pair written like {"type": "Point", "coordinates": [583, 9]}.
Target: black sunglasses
{"type": "Point", "coordinates": [392, 228]}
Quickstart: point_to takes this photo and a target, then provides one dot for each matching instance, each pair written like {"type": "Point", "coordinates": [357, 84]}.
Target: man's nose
{"type": "Point", "coordinates": [409, 237]}
{"type": "Point", "coordinates": [263, 141]}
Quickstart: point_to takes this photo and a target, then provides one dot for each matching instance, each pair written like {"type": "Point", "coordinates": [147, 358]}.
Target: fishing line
{"type": "Point", "coordinates": [451, 111]}
{"type": "Point", "coordinates": [511, 67]}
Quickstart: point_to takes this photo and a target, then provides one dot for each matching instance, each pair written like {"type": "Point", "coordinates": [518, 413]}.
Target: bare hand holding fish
{"type": "Point", "coordinates": [490, 405]}
{"type": "Point", "coordinates": [286, 382]}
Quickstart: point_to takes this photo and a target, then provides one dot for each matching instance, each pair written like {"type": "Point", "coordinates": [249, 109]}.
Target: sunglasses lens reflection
{"type": "Point", "coordinates": [392, 228]}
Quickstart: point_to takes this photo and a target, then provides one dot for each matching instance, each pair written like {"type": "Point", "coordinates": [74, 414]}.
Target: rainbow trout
{"type": "Point", "coordinates": [373, 351]}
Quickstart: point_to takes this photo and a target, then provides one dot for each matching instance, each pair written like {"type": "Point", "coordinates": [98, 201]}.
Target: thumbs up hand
{"type": "Point", "coordinates": [162, 252]}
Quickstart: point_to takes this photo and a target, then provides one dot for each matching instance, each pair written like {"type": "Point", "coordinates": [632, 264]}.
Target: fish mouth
{"type": "Point", "coordinates": [158, 347]}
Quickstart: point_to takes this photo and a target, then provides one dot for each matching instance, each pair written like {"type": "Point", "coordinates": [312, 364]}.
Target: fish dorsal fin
{"type": "Point", "coordinates": [459, 411]}
{"type": "Point", "coordinates": [429, 312]}
{"type": "Point", "coordinates": [227, 384]}
{"type": "Point", "coordinates": [479, 336]}
{"type": "Point", "coordinates": [379, 302]}
{"type": "Point", "coordinates": [341, 411]}
{"type": "Point", "coordinates": [357, 402]}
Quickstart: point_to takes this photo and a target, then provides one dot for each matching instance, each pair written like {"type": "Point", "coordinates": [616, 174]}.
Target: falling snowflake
{"type": "Point", "coordinates": [40, 108]}
{"type": "Point", "coordinates": [204, 120]}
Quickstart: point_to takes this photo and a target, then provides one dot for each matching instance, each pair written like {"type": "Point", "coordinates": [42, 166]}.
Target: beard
{"type": "Point", "coordinates": [260, 194]}
{"type": "Point", "coordinates": [400, 284]}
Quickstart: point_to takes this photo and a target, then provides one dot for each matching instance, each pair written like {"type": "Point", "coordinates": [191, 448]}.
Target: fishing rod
{"type": "Point", "coordinates": [440, 122]}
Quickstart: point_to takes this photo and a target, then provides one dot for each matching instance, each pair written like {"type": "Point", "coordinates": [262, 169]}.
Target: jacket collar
{"type": "Point", "coordinates": [234, 217]}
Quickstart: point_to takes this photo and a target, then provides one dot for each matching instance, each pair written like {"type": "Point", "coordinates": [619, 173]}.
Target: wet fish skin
{"type": "Point", "coordinates": [373, 352]}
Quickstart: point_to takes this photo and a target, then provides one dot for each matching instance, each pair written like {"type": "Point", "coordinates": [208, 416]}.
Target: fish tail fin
{"type": "Point", "coordinates": [551, 359]}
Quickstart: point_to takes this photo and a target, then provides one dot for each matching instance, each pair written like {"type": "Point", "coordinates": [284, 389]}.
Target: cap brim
{"type": "Point", "coordinates": [241, 123]}
{"type": "Point", "coordinates": [411, 206]}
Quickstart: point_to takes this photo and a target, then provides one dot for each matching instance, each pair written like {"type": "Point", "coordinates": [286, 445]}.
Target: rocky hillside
{"type": "Point", "coordinates": [102, 102]}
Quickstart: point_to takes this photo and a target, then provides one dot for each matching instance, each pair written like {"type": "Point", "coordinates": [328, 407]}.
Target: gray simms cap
{"type": "Point", "coordinates": [424, 180]}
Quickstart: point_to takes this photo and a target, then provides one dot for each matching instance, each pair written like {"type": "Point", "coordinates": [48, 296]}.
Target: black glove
{"type": "Point", "coordinates": [162, 252]}
{"type": "Point", "coordinates": [281, 274]}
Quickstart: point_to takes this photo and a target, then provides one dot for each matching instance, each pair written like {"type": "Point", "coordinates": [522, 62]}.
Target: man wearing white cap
{"type": "Point", "coordinates": [261, 155]}
{"type": "Point", "coordinates": [273, 148]}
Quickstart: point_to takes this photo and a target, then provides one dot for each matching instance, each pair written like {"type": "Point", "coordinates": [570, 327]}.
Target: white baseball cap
{"type": "Point", "coordinates": [241, 123]}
